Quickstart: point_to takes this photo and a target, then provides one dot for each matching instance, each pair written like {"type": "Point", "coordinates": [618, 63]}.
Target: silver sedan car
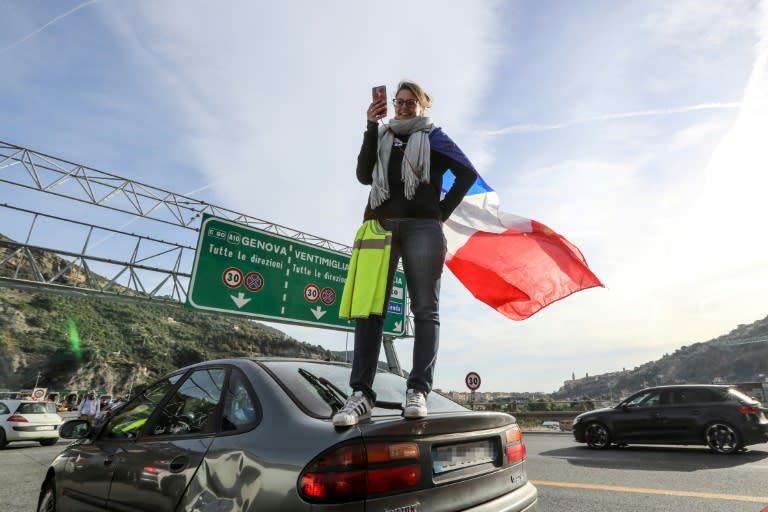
{"type": "Point", "coordinates": [256, 434]}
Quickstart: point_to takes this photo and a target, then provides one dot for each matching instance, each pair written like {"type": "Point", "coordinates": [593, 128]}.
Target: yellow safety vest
{"type": "Point", "coordinates": [366, 282]}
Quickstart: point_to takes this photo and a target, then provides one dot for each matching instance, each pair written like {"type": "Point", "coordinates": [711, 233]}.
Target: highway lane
{"type": "Point", "coordinates": [573, 478]}
{"type": "Point", "coordinates": [22, 468]}
{"type": "Point", "coordinates": [569, 476]}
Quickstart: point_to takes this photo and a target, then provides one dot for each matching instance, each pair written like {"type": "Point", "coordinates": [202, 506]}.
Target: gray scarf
{"type": "Point", "coordinates": [415, 167]}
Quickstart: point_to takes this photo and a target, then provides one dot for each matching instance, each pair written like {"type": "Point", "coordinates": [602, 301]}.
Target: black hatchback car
{"type": "Point", "coordinates": [256, 434]}
{"type": "Point", "coordinates": [720, 417]}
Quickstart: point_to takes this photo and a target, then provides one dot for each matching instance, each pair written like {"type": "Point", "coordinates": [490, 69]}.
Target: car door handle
{"type": "Point", "coordinates": [179, 463]}
{"type": "Point", "coordinates": [656, 415]}
{"type": "Point", "coordinates": [696, 412]}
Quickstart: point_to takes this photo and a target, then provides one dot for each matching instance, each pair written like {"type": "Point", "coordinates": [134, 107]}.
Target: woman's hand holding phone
{"type": "Point", "coordinates": [378, 108]}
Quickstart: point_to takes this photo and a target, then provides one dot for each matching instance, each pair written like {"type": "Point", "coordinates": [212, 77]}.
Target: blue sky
{"type": "Point", "coordinates": [634, 129]}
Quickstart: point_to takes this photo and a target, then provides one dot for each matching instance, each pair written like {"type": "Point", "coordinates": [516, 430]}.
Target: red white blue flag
{"type": "Point", "coordinates": [515, 265]}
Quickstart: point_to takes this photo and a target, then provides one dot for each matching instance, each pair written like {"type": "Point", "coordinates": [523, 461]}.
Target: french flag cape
{"type": "Point", "coordinates": [515, 265]}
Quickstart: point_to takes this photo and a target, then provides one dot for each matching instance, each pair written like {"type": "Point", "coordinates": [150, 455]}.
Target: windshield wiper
{"type": "Point", "coordinates": [332, 395]}
{"type": "Point", "coordinates": [389, 405]}
{"type": "Point", "coordinates": [335, 397]}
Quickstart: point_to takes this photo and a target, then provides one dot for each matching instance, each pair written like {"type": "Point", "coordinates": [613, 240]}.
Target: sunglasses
{"type": "Point", "coordinates": [399, 103]}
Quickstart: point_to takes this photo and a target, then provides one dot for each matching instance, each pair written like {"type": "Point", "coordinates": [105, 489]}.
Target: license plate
{"type": "Point", "coordinates": [44, 427]}
{"type": "Point", "coordinates": [457, 456]}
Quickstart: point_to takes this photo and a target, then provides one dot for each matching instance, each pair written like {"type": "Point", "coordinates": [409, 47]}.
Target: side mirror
{"type": "Point", "coordinates": [75, 429]}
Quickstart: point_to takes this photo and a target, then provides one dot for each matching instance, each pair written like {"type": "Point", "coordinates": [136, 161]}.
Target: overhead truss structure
{"type": "Point", "coordinates": [20, 260]}
{"type": "Point", "coordinates": [37, 171]}
{"type": "Point", "coordinates": [150, 268]}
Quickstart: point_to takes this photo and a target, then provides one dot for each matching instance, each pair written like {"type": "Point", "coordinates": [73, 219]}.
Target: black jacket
{"type": "Point", "coordinates": [426, 203]}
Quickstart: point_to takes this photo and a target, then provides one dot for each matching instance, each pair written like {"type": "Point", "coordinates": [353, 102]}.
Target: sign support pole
{"type": "Point", "coordinates": [392, 360]}
{"type": "Point", "coordinates": [472, 380]}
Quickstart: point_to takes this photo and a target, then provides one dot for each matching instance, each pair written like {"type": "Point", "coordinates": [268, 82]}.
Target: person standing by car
{"type": "Point", "coordinates": [404, 162]}
{"type": "Point", "coordinates": [89, 408]}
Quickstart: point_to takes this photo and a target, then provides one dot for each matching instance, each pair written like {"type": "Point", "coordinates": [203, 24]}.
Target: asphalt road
{"type": "Point", "coordinates": [22, 467]}
{"type": "Point", "coordinates": [569, 476]}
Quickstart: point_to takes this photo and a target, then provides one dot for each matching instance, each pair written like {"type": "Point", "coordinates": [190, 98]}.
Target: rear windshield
{"type": "Point", "coordinates": [30, 408]}
{"type": "Point", "coordinates": [738, 395]}
{"type": "Point", "coordinates": [388, 387]}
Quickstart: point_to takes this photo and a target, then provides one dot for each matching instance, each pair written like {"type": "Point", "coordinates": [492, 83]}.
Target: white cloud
{"type": "Point", "coordinates": [274, 95]}
{"type": "Point", "coordinates": [603, 122]}
{"type": "Point", "coordinates": [274, 115]}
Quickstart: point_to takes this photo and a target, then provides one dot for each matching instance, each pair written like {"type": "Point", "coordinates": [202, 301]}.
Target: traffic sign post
{"type": "Point", "coordinates": [472, 380]}
{"type": "Point", "coordinates": [246, 271]}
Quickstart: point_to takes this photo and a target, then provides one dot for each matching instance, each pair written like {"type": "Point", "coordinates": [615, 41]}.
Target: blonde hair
{"type": "Point", "coordinates": [424, 100]}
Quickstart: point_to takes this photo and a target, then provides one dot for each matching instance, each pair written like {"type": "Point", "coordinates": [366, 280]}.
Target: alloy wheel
{"type": "Point", "coordinates": [722, 438]}
{"type": "Point", "coordinates": [597, 436]}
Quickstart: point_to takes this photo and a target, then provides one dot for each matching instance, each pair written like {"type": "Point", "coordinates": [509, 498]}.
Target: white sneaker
{"type": "Point", "coordinates": [415, 404]}
{"type": "Point", "coordinates": [357, 408]}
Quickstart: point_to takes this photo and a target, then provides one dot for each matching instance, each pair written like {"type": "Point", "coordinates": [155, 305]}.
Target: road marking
{"type": "Point", "coordinates": [645, 490]}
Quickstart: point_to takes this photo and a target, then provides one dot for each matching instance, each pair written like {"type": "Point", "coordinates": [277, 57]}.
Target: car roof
{"type": "Point", "coordinates": [689, 386]}
{"type": "Point", "coordinates": [237, 361]}
{"type": "Point", "coordinates": [16, 401]}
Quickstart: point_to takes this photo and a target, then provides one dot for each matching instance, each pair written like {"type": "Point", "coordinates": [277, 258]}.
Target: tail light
{"type": "Point", "coordinates": [17, 418]}
{"type": "Point", "coordinates": [749, 409]}
{"type": "Point", "coordinates": [515, 446]}
{"type": "Point", "coordinates": [353, 472]}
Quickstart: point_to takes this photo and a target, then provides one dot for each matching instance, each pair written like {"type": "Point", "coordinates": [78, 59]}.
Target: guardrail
{"type": "Point", "coordinates": [563, 418]}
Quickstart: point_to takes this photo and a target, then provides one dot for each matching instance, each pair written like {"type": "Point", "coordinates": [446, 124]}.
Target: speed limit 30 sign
{"type": "Point", "coordinates": [472, 380]}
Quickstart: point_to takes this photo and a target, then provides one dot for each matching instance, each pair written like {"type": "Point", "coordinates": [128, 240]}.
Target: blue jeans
{"type": "Point", "coordinates": [421, 245]}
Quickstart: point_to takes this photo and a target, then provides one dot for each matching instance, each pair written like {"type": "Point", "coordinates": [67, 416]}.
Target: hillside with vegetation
{"type": "Point", "coordinates": [67, 342]}
{"type": "Point", "coordinates": [79, 343]}
{"type": "Point", "coordinates": [111, 342]}
{"type": "Point", "coordinates": [740, 356]}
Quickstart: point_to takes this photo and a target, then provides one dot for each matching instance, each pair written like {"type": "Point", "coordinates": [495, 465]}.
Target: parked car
{"type": "Point", "coordinates": [71, 401]}
{"type": "Point", "coordinates": [720, 417]}
{"type": "Point", "coordinates": [28, 420]}
{"type": "Point", "coordinates": [256, 434]}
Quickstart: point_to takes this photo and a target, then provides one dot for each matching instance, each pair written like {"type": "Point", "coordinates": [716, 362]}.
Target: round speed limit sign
{"type": "Point", "coordinates": [232, 277]}
{"type": "Point", "coordinates": [472, 380]}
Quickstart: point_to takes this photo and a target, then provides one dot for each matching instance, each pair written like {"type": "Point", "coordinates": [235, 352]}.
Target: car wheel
{"type": "Point", "coordinates": [597, 436]}
{"type": "Point", "coordinates": [722, 438]}
{"type": "Point", "coordinates": [3, 439]}
{"type": "Point", "coordinates": [49, 442]}
{"type": "Point", "coordinates": [47, 501]}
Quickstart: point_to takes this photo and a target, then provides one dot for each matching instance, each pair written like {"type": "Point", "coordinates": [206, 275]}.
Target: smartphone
{"type": "Point", "coordinates": [379, 95]}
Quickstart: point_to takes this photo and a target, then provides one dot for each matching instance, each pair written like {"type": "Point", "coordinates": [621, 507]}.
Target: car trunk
{"type": "Point", "coordinates": [38, 417]}
{"type": "Point", "coordinates": [462, 459]}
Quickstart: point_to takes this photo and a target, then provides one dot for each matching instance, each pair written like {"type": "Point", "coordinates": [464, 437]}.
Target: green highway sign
{"type": "Point", "coordinates": [247, 271]}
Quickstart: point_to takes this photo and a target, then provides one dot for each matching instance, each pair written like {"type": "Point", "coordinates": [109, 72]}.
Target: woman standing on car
{"type": "Point", "coordinates": [404, 162]}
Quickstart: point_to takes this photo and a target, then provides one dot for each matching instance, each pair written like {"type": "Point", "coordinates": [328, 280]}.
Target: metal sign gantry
{"type": "Point", "coordinates": [145, 268]}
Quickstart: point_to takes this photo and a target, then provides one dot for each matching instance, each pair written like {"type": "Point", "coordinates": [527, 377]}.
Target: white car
{"type": "Point", "coordinates": [28, 420]}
